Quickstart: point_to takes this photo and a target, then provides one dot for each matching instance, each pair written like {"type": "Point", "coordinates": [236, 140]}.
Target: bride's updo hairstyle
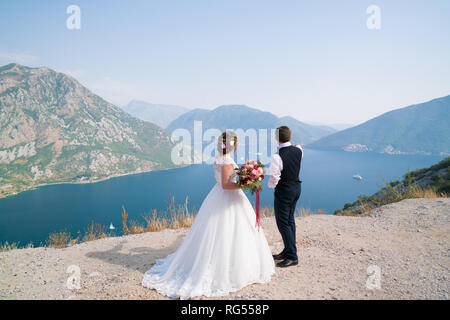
{"type": "Point", "coordinates": [227, 142]}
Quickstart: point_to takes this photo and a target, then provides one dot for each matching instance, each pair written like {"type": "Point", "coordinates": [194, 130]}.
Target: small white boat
{"type": "Point", "coordinates": [111, 227]}
{"type": "Point", "coordinates": [357, 177]}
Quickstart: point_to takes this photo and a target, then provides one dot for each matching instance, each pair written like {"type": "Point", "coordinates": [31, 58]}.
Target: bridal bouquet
{"type": "Point", "coordinates": [250, 175]}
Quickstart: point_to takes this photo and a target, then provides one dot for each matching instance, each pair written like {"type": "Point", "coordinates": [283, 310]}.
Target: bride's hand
{"type": "Point", "coordinates": [227, 172]}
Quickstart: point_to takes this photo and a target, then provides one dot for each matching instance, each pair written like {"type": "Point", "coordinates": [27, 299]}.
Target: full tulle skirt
{"type": "Point", "coordinates": [222, 252]}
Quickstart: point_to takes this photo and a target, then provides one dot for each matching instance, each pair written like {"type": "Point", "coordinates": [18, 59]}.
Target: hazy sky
{"type": "Point", "coordinates": [313, 60]}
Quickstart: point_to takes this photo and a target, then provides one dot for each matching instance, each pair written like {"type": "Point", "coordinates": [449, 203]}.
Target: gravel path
{"type": "Point", "coordinates": [408, 242]}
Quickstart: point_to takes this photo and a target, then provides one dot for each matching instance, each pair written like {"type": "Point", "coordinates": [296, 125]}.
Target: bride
{"type": "Point", "coordinates": [223, 250]}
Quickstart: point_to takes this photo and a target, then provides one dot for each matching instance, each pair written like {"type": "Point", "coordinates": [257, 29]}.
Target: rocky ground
{"type": "Point", "coordinates": [407, 242]}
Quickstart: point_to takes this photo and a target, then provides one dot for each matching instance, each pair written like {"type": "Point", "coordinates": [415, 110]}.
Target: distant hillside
{"type": "Point", "coordinates": [418, 129]}
{"type": "Point", "coordinates": [159, 114]}
{"type": "Point", "coordinates": [240, 116]}
{"type": "Point", "coordinates": [52, 129]}
{"type": "Point", "coordinates": [337, 126]}
{"type": "Point", "coordinates": [340, 126]}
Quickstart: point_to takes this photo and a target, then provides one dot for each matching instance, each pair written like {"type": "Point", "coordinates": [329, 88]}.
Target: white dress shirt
{"type": "Point", "coordinates": [276, 165]}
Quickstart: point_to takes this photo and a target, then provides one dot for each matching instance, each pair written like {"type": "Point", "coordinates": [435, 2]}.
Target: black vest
{"type": "Point", "coordinates": [292, 159]}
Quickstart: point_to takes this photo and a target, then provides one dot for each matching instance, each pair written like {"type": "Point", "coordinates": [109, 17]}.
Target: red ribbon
{"type": "Point", "coordinates": [258, 218]}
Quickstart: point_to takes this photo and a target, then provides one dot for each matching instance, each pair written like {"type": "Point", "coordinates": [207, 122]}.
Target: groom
{"type": "Point", "coordinates": [284, 170]}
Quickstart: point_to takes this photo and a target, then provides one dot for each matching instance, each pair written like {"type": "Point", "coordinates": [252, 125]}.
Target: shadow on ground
{"type": "Point", "coordinates": [140, 258]}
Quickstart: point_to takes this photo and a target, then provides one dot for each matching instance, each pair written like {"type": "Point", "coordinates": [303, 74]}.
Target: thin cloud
{"type": "Point", "coordinates": [77, 74]}
{"type": "Point", "coordinates": [117, 92]}
{"type": "Point", "coordinates": [18, 57]}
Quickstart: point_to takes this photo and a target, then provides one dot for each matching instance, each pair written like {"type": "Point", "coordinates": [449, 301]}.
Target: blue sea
{"type": "Point", "coordinates": [326, 176]}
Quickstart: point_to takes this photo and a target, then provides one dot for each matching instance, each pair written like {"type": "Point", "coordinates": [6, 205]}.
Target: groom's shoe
{"type": "Point", "coordinates": [278, 256]}
{"type": "Point", "coordinates": [287, 263]}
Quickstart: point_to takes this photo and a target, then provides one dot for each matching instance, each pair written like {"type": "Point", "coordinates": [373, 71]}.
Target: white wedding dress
{"type": "Point", "coordinates": [222, 252]}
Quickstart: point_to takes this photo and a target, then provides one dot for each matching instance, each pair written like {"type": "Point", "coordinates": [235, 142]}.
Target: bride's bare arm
{"type": "Point", "coordinates": [227, 171]}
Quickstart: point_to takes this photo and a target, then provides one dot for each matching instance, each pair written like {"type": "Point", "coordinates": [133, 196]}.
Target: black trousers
{"type": "Point", "coordinates": [286, 197]}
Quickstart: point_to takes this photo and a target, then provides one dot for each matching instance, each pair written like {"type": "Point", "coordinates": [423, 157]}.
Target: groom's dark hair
{"type": "Point", "coordinates": [284, 134]}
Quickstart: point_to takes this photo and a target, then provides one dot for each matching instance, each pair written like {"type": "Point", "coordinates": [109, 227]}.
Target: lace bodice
{"type": "Point", "coordinates": [219, 161]}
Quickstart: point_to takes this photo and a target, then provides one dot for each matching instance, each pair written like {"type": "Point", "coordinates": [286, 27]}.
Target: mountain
{"type": "Point", "coordinates": [243, 117]}
{"type": "Point", "coordinates": [418, 129]}
{"type": "Point", "coordinates": [52, 129]}
{"type": "Point", "coordinates": [336, 126]}
{"type": "Point", "coordinates": [340, 126]}
{"type": "Point", "coordinates": [159, 114]}
{"type": "Point", "coordinates": [304, 132]}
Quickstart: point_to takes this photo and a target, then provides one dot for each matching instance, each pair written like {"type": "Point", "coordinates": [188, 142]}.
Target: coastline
{"type": "Point", "coordinates": [86, 182]}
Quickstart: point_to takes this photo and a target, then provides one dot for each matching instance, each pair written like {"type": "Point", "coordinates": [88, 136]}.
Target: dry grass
{"type": "Point", "coordinates": [426, 193]}
{"type": "Point", "coordinates": [308, 212]}
{"type": "Point", "coordinates": [153, 223]}
{"type": "Point", "coordinates": [267, 212]}
{"type": "Point", "coordinates": [391, 194]}
{"type": "Point", "coordinates": [94, 231]}
{"type": "Point", "coordinates": [409, 191]}
{"type": "Point", "coordinates": [61, 239]}
{"type": "Point", "coordinates": [348, 213]}
{"type": "Point", "coordinates": [13, 245]}
{"type": "Point", "coordinates": [180, 220]}
{"type": "Point", "coordinates": [124, 221]}
{"type": "Point", "coordinates": [365, 210]}
{"type": "Point", "coordinates": [8, 246]}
